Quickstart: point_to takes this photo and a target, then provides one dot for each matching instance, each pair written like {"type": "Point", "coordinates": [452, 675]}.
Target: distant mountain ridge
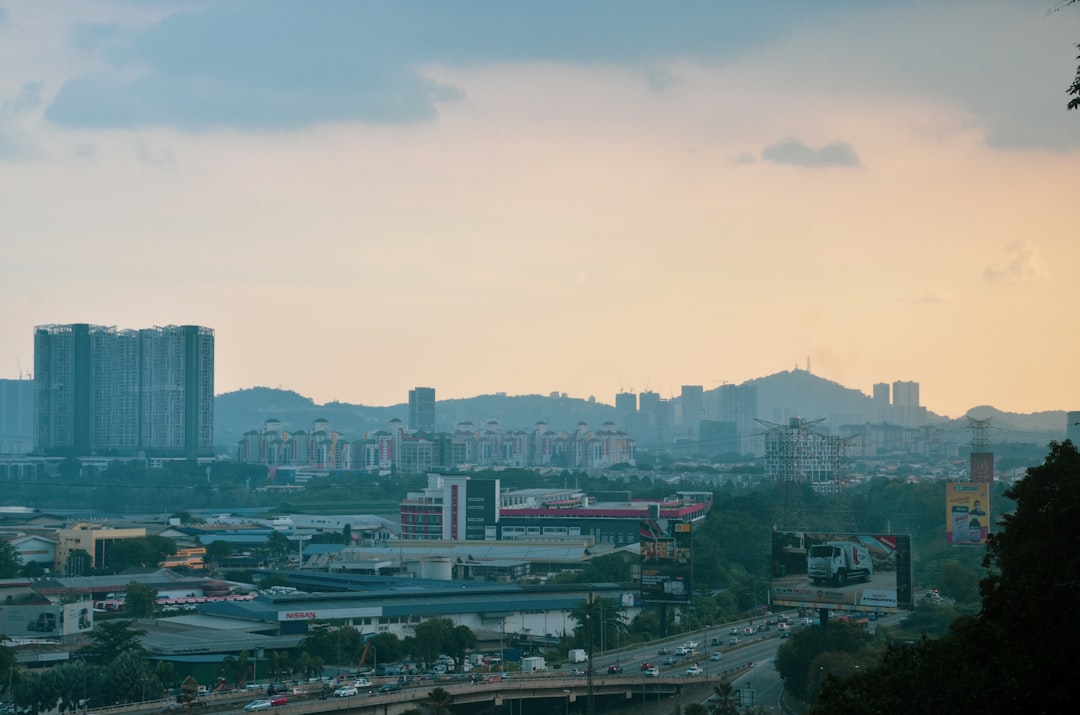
{"type": "Point", "coordinates": [794, 393]}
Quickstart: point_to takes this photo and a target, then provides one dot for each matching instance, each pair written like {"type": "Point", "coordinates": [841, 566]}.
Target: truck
{"type": "Point", "coordinates": [839, 562]}
{"type": "Point", "coordinates": [532, 664]}
{"type": "Point", "coordinates": [577, 655]}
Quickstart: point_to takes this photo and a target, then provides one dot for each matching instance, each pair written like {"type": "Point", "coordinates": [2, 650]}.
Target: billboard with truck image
{"type": "Point", "coordinates": [851, 572]}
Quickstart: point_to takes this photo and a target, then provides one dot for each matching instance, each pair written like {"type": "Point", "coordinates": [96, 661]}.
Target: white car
{"type": "Point", "coordinates": [694, 669]}
{"type": "Point", "coordinates": [258, 705]}
{"type": "Point", "coordinates": [715, 656]}
{"type": "Point", "coordinates": [346, 692]}
{"type": "Point", "coordinates": [653, 672]}
{"type": "Point", "coordinates": [362, 683]}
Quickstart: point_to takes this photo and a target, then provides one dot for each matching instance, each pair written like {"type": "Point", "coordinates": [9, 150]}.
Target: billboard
{"type": "Point", "coordinates": [982, 466]}
{"type": "Point", "coordinates": [967, 512]}
{"type": "Point", "coordinates": [24, 621]}
{"type": "Point", "coordinates": [665, 561]}
{"type": "Point", "coordinates": [851, 572]}
{"type": "Point", "coordinates": [78, 618]}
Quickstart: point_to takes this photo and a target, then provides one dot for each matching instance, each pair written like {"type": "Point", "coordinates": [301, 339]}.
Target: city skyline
{"type": "Point", "coordinates": [366, 197]}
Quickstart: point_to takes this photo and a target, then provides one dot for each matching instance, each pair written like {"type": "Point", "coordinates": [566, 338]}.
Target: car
{"type": "Point", "coordinates": [346, 691]}
{"type": "Point", "coordinates": [646, 665]}
{"type": "Point", "coordinates": [733, 640]}
{"type": "Point", "coordinates": [669, 660]}
{"type": "Point", "coordinates": [683, 650]}
{"type": "Point", "coordinates": [362, 683]}
{"type": "Point", "coordinates": [715, 656]}
{"type": "Point", "coordinates": [694, 669]}
{"type": "Point", "coordinates": [733, 632]}
{"type": "Point", "coordinates": [278, 700]}
{"type": "Point", "coordinates": [652, 672]}
{"type": "Point", "coordinates": [257, 705]}
{"type": "Point", "coordinates": [390, 688]}
{"type": "Point", "coordinates": [748, 631]}
{"type": "Point", "coordinates": [786, 634]}
{"type": "Point", "coordinates": [665, 650]}
{"type": "Point", "coordinates": [615, 669]}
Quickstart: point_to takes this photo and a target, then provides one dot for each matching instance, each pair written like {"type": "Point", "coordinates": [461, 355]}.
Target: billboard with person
{"type": "Point", "coordinates": [665, 561]}
{"type": "Point", "coordinates": [967, 512]}
{"type": "Point", "coordinates": [853, 572]}
{"type": "Point", "coordinates": [78, 618]}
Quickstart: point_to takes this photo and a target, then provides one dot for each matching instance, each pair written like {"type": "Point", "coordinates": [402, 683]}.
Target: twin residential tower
{"type": "Point", "coordinates": [99, 391]}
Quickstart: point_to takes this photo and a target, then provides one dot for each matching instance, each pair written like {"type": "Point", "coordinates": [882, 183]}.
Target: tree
{"type": "Point", "coordinates": [438, 701]}
{"type": "Point", "coordinates": [277, 545]}
{"type": "Point", "coordinates": [1074, 90]}
{"type": "Point", "coordinates": [111, 639]}
{"type": "Point", "coordinates": [725, 703]}
{"type": "Point", "coordinates": [11, 562]}
{"type": "Point", "coordinates": [432, 636]}
{"type": "Point", "coordinates": [346, 535]}
{"type": "Point", "coordinates": [218, 550]}
{"type": "Point", "coordinates": [1018, 651]}
{"type": "Point", "coordinates": [140, 600]}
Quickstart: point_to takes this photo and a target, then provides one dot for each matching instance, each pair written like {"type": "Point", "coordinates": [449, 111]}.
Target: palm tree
{"type": "Point", "coordinates": [725, 700]}
{"type": "Point", "coordinates": [439, 701]}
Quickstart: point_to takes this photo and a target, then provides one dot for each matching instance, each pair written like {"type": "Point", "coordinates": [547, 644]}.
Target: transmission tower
{"type": "Point", "coordinates": [982, 458]}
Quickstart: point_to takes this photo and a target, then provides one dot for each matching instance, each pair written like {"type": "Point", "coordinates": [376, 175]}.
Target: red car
{"type": "Point", "coordinates": [646, 666]}
{"type": "Point", "coordinates": [278, 700]}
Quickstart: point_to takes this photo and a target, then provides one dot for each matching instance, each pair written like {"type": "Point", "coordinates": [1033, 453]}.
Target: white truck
{"type": "Point", "coordinates": [577, 655]}
{"type": "Point", "coordinates": [839, 562]}
{"type": "Point", "coordinates": [533, 664]}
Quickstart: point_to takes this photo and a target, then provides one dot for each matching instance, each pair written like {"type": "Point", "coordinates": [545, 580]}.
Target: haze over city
{"type": "Point", "coordinates": [532, 197]}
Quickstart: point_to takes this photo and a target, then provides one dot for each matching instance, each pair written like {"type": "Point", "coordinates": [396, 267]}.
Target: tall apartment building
{"type": "Point", "coordinates": [103, 391]}
{"type": "Point", "coordinates": [422, 409]}
{"type": "Point", "coordinates": [906, 408]}
{"type": "Point", "coordinates": [881, 402]}
{"type": "Point", "coordinates": [1072, 427]}
{"type": "Point", "coordinates": [692, 402]}
{"type": "Point", "coordinates": [16, 416]}
{"type": "Point", "coordinates": [739, 404]}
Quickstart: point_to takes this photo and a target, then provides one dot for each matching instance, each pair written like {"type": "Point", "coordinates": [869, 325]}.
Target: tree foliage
{"type": "Point", "coordinates": [110, 639]}
{"type": "Point", "coordinates": [11, 562]}
{"type": "Point", "coordinates": [1017, 653]}
{"type": "Point", "coordinates": [140, 600]}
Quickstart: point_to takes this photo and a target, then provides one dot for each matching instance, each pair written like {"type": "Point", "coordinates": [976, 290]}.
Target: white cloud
{"type": "Point", "coordinates": [1021, 264]}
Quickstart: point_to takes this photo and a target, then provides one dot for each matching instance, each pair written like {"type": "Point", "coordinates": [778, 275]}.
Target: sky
{"type": "Point", "coordinates": [572, 196]}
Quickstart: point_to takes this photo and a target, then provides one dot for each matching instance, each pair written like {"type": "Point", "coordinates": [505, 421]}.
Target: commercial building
{"type": "Point", "coordinates": [93, 539]}
{"type": "Point", "coordinates": [103, 391]}
{"type": "Point", "coordinates": [422, 409]}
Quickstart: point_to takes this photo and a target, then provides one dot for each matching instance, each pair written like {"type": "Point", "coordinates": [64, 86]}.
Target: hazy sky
{"type": "Point", "coordinates": [361, 197]}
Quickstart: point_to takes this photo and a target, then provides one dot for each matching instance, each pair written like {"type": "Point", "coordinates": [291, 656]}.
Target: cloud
{"type": "Point", "coordinates": [286, 65]}
{"type": "Point", "coordinates": [160, 158]}
{"type": "Point", "coordinates": [1021, 264]}
{"type": "Point", "coordinates": [934, 297]}
{"type": "Point", "coordinates": [794, 152]}
{"type": "Point", "coordinates": [16, 144]}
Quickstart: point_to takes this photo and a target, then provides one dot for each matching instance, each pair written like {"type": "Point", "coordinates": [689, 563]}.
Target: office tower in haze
{"type": "Point", "coordinates": [103, 391]}
{"type": "Point", "coordinates": [422, 409]}
{"type": "Point", "coordinates": [692, 401]}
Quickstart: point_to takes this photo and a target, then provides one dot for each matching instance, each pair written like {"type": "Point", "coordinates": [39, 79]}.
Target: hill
{"type": "Point", "coordinates": [781, 396]}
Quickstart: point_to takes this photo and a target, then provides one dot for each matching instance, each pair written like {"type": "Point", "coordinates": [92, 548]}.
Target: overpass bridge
{"type": "Point", "coordinates": [519, 691]}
